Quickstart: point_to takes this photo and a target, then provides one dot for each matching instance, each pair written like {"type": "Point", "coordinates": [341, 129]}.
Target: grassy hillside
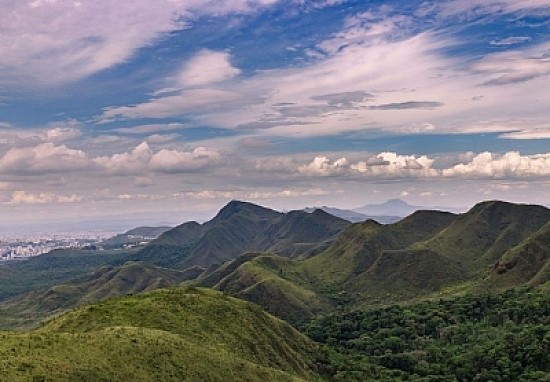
{"type": "Point", "coordinates": [275, 283]}
{"type": "Point", "coordinates": [106, 282]}
{"type": "Point", "coordinates": [480, 237]}
{"type": "Point", "coordinates": [528, 262]}
{"type": "Point", "coordinates": [169, 335]}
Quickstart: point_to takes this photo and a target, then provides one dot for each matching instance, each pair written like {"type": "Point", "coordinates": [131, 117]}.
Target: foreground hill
{"type": "Point", "coordinates": [241, 227]}
{"type": "Point", "coordinates": [106, 282]}
{"type": "Point", "coordinates": [167, 335]}
{"type": "Point", "coordinates": [427, 253]}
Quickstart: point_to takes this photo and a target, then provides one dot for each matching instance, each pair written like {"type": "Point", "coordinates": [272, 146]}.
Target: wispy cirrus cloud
{"type": "Point", "coordinates": [55, 42]}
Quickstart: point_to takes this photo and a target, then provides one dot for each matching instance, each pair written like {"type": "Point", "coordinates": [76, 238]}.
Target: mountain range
{"type": "Point", "coordinates": [296, 266]}
{"type": "Point", "coordinates": [240, 227]}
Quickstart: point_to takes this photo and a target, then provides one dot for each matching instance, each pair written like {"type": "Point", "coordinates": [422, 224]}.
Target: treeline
{"type": "Point", "coordinates": [502, 337]}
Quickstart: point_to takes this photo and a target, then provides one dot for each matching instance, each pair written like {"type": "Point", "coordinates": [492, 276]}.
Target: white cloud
{"type": "Point", "coordinates": [475, 8]}
{"type": "Point", "coordinates": [43, 158]}
{"type": "Point", "coordinates": [253, 195]}
{"type": "Point", "coordinates": [142, 159]}
{"type": "Point", "coordinates": [513, 40]}
{"type": "Point", "coordinates": [177, 161]}
{"type": "Point", "coordinates": [323, 166]}
{"type": "Point", "coordinates": [52, 42]}
{"type": "Point", "coordinates": [388, 164]}
{"type": "Point", "coordinates": [62, 134]}
{"type": "Point", "coordinates": [515, 66]}
{"type": "Point", "coordinates": [188, 101]}
{"type": "Point", "coordinates": [509, 165]}
{"type": "Point", "coordinates": [22, 197]}
{"type": "Point", "coordinates": [133, 162]}
{"type": "Point", "coordinates": [535, 132]}
{"type": "Point", "coordinates": [207, 67]}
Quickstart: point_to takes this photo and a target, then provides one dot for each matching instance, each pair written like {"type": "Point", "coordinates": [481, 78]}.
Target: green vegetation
{"type": "Point", "coordinates": [53, 268]}
{"type": "Point", "coordinates": [427, 254]}
{"type": "Point", "coordinates": [403, 301]}
{"type": "Point", "coordinates": [502, 337]}
{"type": "Point", "coordinates": [169, 335]}
{"type": "Point", "coordinates": [241, 227]}
{"type": "Point", "coordinates": [131, 278]}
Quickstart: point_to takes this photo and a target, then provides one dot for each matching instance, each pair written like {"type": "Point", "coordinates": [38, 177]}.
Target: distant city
{"type": "Point", "coordinates": [22, 247]}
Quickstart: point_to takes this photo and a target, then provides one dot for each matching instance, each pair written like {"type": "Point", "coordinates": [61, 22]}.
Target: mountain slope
{"type": "Point", "coordinates": [241, 227]}
{"type": "Point", "coordinates": [275, 283]}
{"type": "Point", "coordinates": [170, 335]}
{"type": "Point", "coordinates": [528, 262]}
{"type": "Point", "coordinates": [481, 236]}
{"type": "Point", "coordinates": [134, 236]}
{"type": "Point", "coordinates": [392, 207]}
{"type": "Point", "coordinates": [106, 282]}
{"type": "Point", "coordinates": [425, 254]}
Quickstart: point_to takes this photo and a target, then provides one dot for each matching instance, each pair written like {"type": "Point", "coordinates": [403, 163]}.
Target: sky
{"type": "Point", "coordinates": [167, 109]}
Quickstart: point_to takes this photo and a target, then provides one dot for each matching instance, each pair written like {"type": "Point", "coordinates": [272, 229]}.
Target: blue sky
{"type": "Point", "coordinates": [178, 106]}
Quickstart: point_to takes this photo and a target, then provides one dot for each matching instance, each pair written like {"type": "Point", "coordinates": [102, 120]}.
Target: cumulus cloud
{"type": "Point", "coordinates": [62, 134]}
{"type": "Point", "coordinates": [178, 161]}
{"type": "Point", "coordinates": [388, 164]}
{"type": "Point", "coordinates": [143, 159]}
{"type": "Point", "coordinates": [43, 158]}
{"type": "Point", "coordinates": [391, 165]}
{"type": "Point", "coordinates": [323, 166]}
{"type": "Point", "coordinates": [207, 67]}
{"type": "Point", "coordinates": [509, 165]}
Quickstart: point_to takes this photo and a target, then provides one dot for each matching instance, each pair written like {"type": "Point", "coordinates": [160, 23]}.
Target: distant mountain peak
{"type": "Point", "coordinates": [391, 207]}
{"type": "Point", "coordinates": [237, 206]}
{"type": "Point", "coordinates": [396, 202]}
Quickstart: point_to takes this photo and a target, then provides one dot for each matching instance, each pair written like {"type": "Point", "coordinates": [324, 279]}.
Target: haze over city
{"type": "Point", "coordinates": [161, 112]}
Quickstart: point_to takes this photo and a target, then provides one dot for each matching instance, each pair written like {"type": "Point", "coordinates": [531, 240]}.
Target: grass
{"type": "Point", "coordinates": [171, 334]}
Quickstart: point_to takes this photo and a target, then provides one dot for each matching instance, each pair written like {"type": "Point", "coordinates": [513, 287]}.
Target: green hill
{"type": "Point", "coordinates": [106, 282]}
{"type": "Point", "coordinates": [166, 335]}
{"type": "Point", "coordinates": [425, 254]}
{"type": "Point", "coordinates": [55, 267]}
{"type": "Point", "coordinates": [277, 284]}
{"type": "Point", "coordinates": [242, 227]}
{"type": "Point", "coordinates": [528, 262]}
{"type": "Point", "coordinates": [481, 236]}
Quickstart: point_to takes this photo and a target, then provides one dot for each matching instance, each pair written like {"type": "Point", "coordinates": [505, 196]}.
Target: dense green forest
{"type": "Point", "coordinates": [504, 337]}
